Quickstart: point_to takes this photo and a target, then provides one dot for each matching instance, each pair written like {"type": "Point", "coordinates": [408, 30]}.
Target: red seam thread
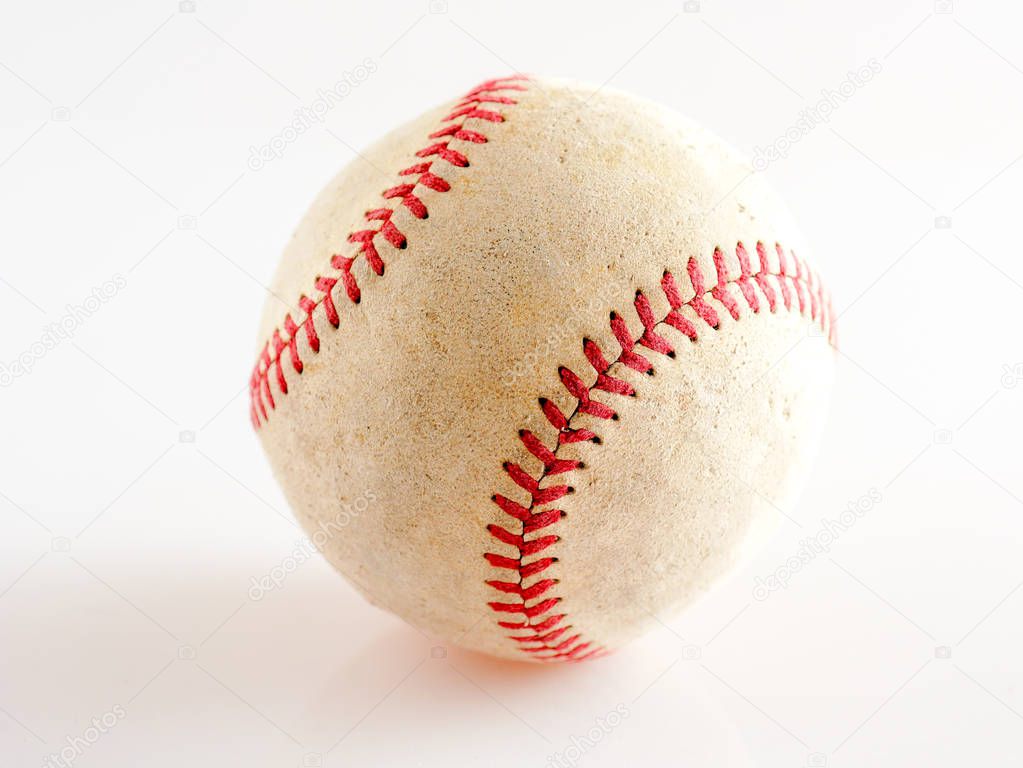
{"type": "Point", "coordinates": [546, 630]}
{"type": "Point", "coordinates": [424, 174]}
{"type": "Point", "coordinates": [539, 631]}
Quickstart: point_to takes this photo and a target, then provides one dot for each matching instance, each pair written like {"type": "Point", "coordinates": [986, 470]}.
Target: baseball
{"type": "Point", "coordinates": [554, 361]}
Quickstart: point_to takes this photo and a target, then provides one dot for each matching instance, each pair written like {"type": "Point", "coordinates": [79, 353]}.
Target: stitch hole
{"type": "Point", "coordinates": [596, 440]}
{"type": "Point", "coordinates": [671, 354]}
{"type": "Point", "coordinates": [581, 465]}
{"type": "Point", "coordinates": [614, 417]}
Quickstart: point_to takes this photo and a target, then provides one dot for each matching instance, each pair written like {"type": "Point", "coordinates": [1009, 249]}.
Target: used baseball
{"type": "Point", "coordinates": [548, 378]}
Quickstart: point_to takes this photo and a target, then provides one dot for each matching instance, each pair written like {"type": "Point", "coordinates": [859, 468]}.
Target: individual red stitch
{"type": "Point", "coordinates": [409, 200]}
{"type": "Point", "coordinates": [479, 114]}
{"type": "Point", "coordinates": [798, 284]}
{"type": "Point", "coordinates": [720, 291]}
{"type": "Point", "coordinates": [814, 305]}
{"type": "Point", "coordinates": [535, 567]}
{"type": "Point", "coordinates": [291, 328]}
{"type": "Point", "coordinates": [368, 250]}
{"type": "Point", "coordinates": [279, 346]}
{"type": "Point", "coordinates": [421, 175]}
{"type": "Point", "coordinates": [544, 632]}
{"type": "Point", "coordinates": [744, 282]}
{"type": "Point", "coordinates": [325, 285]}
{"type": "Point", "coordinates": [762, 280]}
{"type": "Point", "coordinates": [546, 495]}
{"type": "Point", "coordinates": [533, 546]}
{"type": "Point", "coordinates": [500, 561]}
{"type": "Point", "coordinates": [650, 338]}
{"type": "Point", "coordinates": [460, 133]}
{"type": "Point", "coordinates": [541, 608]}
{"type": "Point", "coordinates": [443, 152]}
{"type": "Point", "coordinates": [307, 305]}
{"type": "Point", "coordinates": [504, 535]}
{"type": "Point", "coordinates": [510, 507]}
{"type": "Point", "coordinates": [786, 292]}
{"type": "Point", "coordinates": [674, 318]}
{"type": "Point", "coordinates": [539, 588]}
{"type": "Point", "coordinates": [546, 639]}
{"type": "Point", "coordinates": [387, 229]}
{"type": "Point", "coordinates": [541, 520]}
{"type": "Point", "coordinates": [344, 265]}
{"type": "Point", "coordinates": [521, 478]}
{"type": "Point", "coordinates": [704, 310]}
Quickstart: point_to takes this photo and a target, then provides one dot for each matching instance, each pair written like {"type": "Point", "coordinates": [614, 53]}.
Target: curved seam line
{"type": "Point", "coordinates": [810, 294]}
{"type": "Point", "coordinates": [453, 125]}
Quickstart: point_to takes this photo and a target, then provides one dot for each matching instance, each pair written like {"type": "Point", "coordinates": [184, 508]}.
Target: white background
{"type": "Point", "coordinates": [136, 505]}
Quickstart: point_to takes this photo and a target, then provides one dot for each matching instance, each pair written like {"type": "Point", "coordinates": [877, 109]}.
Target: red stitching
{"type": "Point", "coordinates": [541, 632]}
{"type": "Point", "coordinates": [424, 175]}
{"type": "Point", "coordinates": [545, 631]}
